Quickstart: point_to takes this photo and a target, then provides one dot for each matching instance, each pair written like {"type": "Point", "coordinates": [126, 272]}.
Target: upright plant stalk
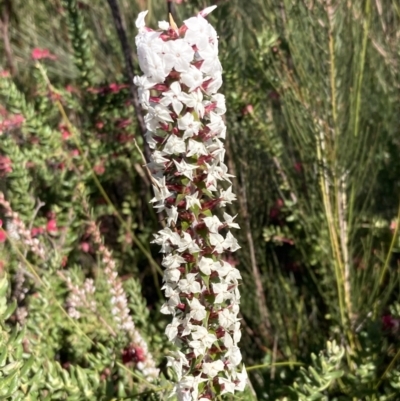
{"type": "Point", "coordinates": [182, 75]}
{"type": "Point", "coordinates": [126, 50]}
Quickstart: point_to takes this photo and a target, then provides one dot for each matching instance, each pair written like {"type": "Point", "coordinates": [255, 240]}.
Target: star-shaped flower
{"type": "Point", "coordinates": [185, 168]}
{"type": "Point", "coordinates": [188, 124]}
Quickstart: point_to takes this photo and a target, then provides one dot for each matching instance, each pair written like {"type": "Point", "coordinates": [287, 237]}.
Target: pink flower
{"type": "Point", "coordinates": [5, 166]}
{"type": "Point", "coordinates": [115, 88]}
{"type": "Point", "coordinates": [37, 231]}
{"type": "Point", "coordinates": [248, 109]}
{"type": "Point", "coordinates": [390, 323]}
{"type": "Point", "coordinates": [298, 167]}
{"type": "Point", "coordinates": [3, 235]}
{"type": "Point", "coordinates": [13, 121]}
{"type": "Point", "coordinates": [85, 247]}
{"type": "Point", "coordinates": [51, 226]}
{"type": "Point", "coordinates": [99, 169]}
{"type": "Point", "coordinates": [39, 54]}
{"type": "Point", "coordinates": [65, 134]}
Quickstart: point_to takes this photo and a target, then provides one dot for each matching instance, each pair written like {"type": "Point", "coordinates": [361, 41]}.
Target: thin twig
{"type": "Point", "coordinates": [265, 326]}
{"type": "Point", "coordinates": [5, 19]}
{"type": "Point", "coordinates": [170, 7]}
{"type": "Point", "coordinates": [126, 50]}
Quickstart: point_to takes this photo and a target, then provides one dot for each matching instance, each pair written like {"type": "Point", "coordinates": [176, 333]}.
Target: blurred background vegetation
{"type": "Point", "coordinates": [313, 96]}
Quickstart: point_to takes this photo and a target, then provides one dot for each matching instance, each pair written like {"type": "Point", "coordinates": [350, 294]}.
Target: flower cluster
{"type": "Point", "coordinates": [120, 309]}
{"type": "Point", "coordinates": [184, 119]}
{"type": "Point", "coordinates": [16, 229]}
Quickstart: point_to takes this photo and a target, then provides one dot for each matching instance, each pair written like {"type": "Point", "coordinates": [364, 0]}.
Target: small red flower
{"type": "Point", "coordinates": [5, 166]}
{"type": "Point", "coordinates": [298, 167]}
{"type": "Point", "coordinates": [132, 353]}
{"type": "Point", "coordinates": [114, 87]}
{"type": "Point", "coordinates": [85, 247]}
{"type": "Point", "coordinates": [390, 323]}
{"type": "Point", "coordinates": [39, 54]}
{"type": "Point", "coordinates": [51, 225]}
{"type": "Point", "coordinates": [248, 109]}
{"type": "Point", "coordinates": [3, 235]}
{"type": "Point", "coordinates": [99, 169]}
{"type": "Point", "coordinates": [37, 231]}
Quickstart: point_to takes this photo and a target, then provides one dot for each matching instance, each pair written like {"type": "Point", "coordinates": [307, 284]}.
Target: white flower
{"type": "Point", "coordinates": [172, 275]}
{"type": "Point", "coordinates": [158, 157]}
{"type": "Point", "coordinates": [140, 20]}
{"type": "Point", "coordinates": [227, 196]}
{"type": "Point", "coordinates": [192, 78]}
{"type": "Point", "coordinates": [187, 389]}
{"type": "Point", "coordinates": [211, 369]}
{"type": "Point", "coordinates": [229, 221]}
{"type": "Point", "coordinates": [217, 150]}
{"type": "Point", "coordinates": [143, 85]}
{"type": "Point", "coordinates": [159, 113]}
{"type": "Point", "coordinates": [197, 310]}
{"type": "Point", "coordinates": [223, 268]}
{"type": "Point", "coordinates": [149, 41]}
{"type": "Point", "coordinates": [189, 125]}
{"type": "Point", "coordinates": [206, 265]}
{"type": "Point", "coordinates": [197, 28]}
{"type": "Point", "coordinates": [228, 341]}
{"type": "Point", "coordinates": [219, 99]}
{"type": "Point", "coordinates": [177, 360]}
{"type": "Point", "coordinates": [192, 200]}
{"type": "Point", "coordinates": [202, 340]}
{"type": "Point", "coordinates": [220, 290]}
{"type": "Point", "coordinates": [196, 148]}
{"type": "Point", "coordinates": [215, 83]}
{"type": "Point", "coordinates": [172, 261]}
{"type": "Point", "coordinates": [234, 355]}
{"type": "Point", "coordinates": [207, 11]}
{"type": "Point", "coordinates": [174, 96]}
{"type": "Point", "coordinates": [226, 318]}
{"type": "Point", "coordinates": [185, 169]}
{"type": "Point", "coordinates": [150, 139]}
{"type": "Point", "coordinates": [217, 125]}
{"type": "Point", "coordinates": [152, 65]}
{"type": "Point", "coordinates": [217, 241]}
{"type": "Point", "coordinates": [212, 223]}
{"type": "Point", "coordinates": [231, 242]}
{"type": "Point", "coordinates": [174, 145]}
{"type": "Point", "coordinates": [216, 172]}
{"type": "Point", "coordinates": [164, 25]}
{"type": "Point", "coordinates": [169, 307]}
{"type": "Point", "coordinates": [187, 242]}
{"type": "Point", "coordinates": [178, 55]}
{"type": "Point", "coordinates": [211, 64]}
{"type": "Point", "coordinates": [228, 386]}
{"type": "Point", "coordinates": [172, 329]}
{"type": "Point", "coordinates": [161, 191]}
{"type": "Point", "coordinates": [172, 214]}
{"type": "Point", "coordinates": [242, 379]}
{"type": "Point", "coordinates": [190, 285]}
{"type": "Point", "coordinates": [165, 237]}
{"type": "Point", "coordinates": [194, 100]}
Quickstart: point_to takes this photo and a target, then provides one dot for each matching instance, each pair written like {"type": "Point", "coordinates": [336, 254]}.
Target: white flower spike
{"type": "Point", "coordinates": [178, 91]}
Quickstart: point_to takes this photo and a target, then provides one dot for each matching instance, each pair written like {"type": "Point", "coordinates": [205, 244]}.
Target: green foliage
{"type": "Point", "coordinates": [314, 382]}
